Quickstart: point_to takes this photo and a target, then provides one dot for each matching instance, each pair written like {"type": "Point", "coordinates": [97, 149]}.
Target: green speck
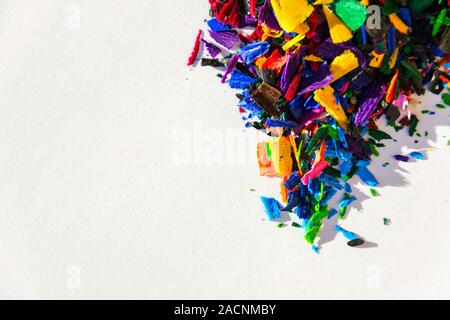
{"type": "Point", "coordinates": [386, 221]}
{"type": "Point", "coordinates": [440, 106]}
{"type": "Point", "coordinates": [268, 151]}
{"type": "Point", "coordinates": [252, 190]}
{"type": "Point", "coordinates": [446, 99]}
{"type": "Point", "coordinates": [425, 111]}
{"type": "Point", "coordinates": [281, 225]}
{"type": "Point", "coordinates": [413, 125]}
{"type": "Point", "coordinates": [373, 192]}
{"type": "Point", "coordinates": [342, 213]}
{"type": "Point", "coordinates": [296, 225]}
{"type": "Point", "coordinates": [379, 135]}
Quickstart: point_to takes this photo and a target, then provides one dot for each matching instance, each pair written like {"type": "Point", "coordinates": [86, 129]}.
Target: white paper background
{"type": "Point", "coordinates": [95, 203]}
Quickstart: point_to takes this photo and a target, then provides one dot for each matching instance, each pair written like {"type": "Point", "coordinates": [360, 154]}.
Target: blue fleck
{"type": "Point", "coordinates": [346, 202]}
{"type": "Point", "coordinates": [349, 235]}
{"type": "Point", "coordinates": [401, 158]}
{"type": "Point", "coordinates": [333, 212]}
{"type": "Point", "coordinates": [417, 155]}
{"type": "Point", "coordinates": [367, 177]}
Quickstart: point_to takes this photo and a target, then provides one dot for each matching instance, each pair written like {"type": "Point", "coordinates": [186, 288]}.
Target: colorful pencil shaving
{"type": "Point", "coordinates": [318, 77]}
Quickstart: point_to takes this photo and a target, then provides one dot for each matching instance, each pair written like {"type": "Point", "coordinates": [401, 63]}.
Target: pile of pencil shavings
{"type": "Point", "coordinates": [317, 77]}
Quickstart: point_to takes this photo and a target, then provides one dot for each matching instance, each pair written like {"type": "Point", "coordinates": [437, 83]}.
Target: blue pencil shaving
{"type": "Point", "coordinates": [347, 234]}
{"type": "Point", "coordinates": [217, 26]}
{"type": "Point", "coordinates": [391, 39]}
{"type": "Point", "coordinates": [345, 168]}
{"type": "Point", "coordinates": [253, 51]}
{"type": "Point", "coordinates": [341, 135]}
{"type": "Point", "coordinates": [294, 199]}
{"type": "Point", "coordinates": [310, 103]}
{"type": "Point", "coordinates": [303, 212]}
{"type": "Point", "coordinates": [401, 158]}
{"type": "Point", "coordinates": [240, 80]}
{"type": "Point", "coordinates": [405, 15]}
{"type": "Point", "coordinates": [293, 181]}
{"type": "Point", "coordinates": [346, 202]}
{"type": "Point", "coordinates": [315, 249]}
{"type": "Point", "coordinates": [348, 188]}
{"type": "Point", "coordinates": [329, 194]}
{"type": "Point", "coordinates": [314, 188]}
{"type": "Point", "coordinates": [364, 34]}
{"type": "Point", "coordinates": [367, 177]}
{"type": "Point", "coordinates": [331, 181]}
{"type": "Point", "coordinates": [249, 105]}
{"type": "Point", "coordinates": [333, 213]}
{"type": "Point", "coordinates": [417, 155]}
{"type": "Point", "coordinates": [363, 163]}
{"type": "Point", "coordinates": [272, 208]}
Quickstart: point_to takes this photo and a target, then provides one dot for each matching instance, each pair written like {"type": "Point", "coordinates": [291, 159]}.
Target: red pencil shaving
{"type": "Point", "coordinates": [196, 49]}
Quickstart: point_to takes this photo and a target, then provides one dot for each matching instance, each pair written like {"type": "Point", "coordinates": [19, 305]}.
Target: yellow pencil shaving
{"type": "Point", "coordinates": [393, 59]}
{"type": "Point", "coordinates": [326, 98]}
{"type": "Point", "coordinates": [313, 58]}
{"type": "Point", "coordinates": [338, 30]}
{"type": "Point", "coordinates": [293, 42]}
{"type": "Point", "coordinates": [281, 155]}
{"type": "Point", "coordinates": [365, 3]}
{"type": "Point", "coordinates": [343, 64]}
{"type": "Point", "coordinates": [269, 33]}
{"type": "Point", "coordinates": [377, 61]}
{"type": "Point", "coordinates": [260, 62]}
{"type": "Point", "coordinates": [294, 148]}
{"type": "Point", "coordinates": [302, 28]}
{"type": "Point", "coordinates": [291, 13]}
{"type": "Point", "coordinates": [284, 192]}
{"type": "Point", "coordinates": [323, 2]}
{"type": "Point", "coordinates": [399, 24]}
